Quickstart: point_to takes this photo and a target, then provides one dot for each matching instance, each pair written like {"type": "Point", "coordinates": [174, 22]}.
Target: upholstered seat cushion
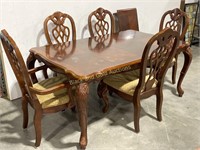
{"type": "Point", "coordinates": [125, 82]}
{"type": "Point", "coordinates": [54, 99]}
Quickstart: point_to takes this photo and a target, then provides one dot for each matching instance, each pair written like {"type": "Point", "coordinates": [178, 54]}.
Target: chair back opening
{"type": "Point", "coordinates": [100, 22]}
{"type": "Point", "coordinates": [59, 28]}
{"type": "Point", "coordinates": [177, 20]}
{"type": "Point", "coordinates": [156, 58]}
{"type": "Point", "coordinates": [17, 63]}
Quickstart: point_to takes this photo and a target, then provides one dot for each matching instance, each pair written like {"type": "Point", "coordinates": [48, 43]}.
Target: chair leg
{"type": "Point", "coordinates": [110, 92]}
{"type": "Point", "coordinates": [44, 71]}
{"type": "Point", "coordinates": [174, 70]}
{"type": "Point", "coordinates": [137, 109]}
{"type": "Point", "coordinates": [159, 101]}
{"type": "Point", "coordinates": [72, 100]}
{"type": "Point", "coordinates": [100, 89]}
{"type": "Point", "coordinates": [37, 124]}
{"type": "Point", "coordinates": [106, 101]}
{"type": "Point", "coordinates": [102, 93]}
{"type": "Point", "coordinates": [25, 112]}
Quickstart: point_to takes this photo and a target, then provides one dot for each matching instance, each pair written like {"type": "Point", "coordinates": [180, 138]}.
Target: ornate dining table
{"type": "Point", "coordinates": [94, 58]}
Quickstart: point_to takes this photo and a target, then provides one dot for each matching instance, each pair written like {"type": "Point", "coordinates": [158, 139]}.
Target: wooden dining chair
{"type": "Point", "coordinates": [100, 22]}
{"type": "Point", "coordinates": [47, 96]}
{"type": "Point", "coordinates": [59, 28]}
{"type": "Point", "coordinates": [177, 20]}
{"type": "Point", "coordinates": [146, 81]}
{"type": "Point", "coordinates": [127, 19]}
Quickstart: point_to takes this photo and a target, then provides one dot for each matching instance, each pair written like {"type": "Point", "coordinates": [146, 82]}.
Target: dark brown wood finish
{"type": "Point", "coordinates": [100, 22]}
{"type": "Point", "coordinates": [59, 28]}
{"type": "Point", "coordinates": [87, 64]}
{"type": "Point", "coordinates": [187, 52]}
{"type": "Point", "coordinates": [29, 92]}
{"type": "Point", "coordinates": [154, 63]}
{"type": "Point", "coordinates": [175, 19]}
{"type": "Point", "coordinates": [117, 55]}
{"type": "Point", "coordinates": [127, 19]}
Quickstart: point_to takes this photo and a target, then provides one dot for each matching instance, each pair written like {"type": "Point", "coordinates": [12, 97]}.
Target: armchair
{"type": "Point", "coordinates": [47, 96]}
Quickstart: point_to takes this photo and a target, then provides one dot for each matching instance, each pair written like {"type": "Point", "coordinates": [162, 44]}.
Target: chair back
{"type": "Point", "coordinates": [127, 19]}
{"type": "Point", "coordinates": [17, 63]}
{"type": "Point", "coordinates": [100, 22]}
{"type": "Point", "coordinates": [59, 28]}
{"type": "Point", "coordinates": [157, 56]}
{"type": "Point", "coordinates": [177, 20]}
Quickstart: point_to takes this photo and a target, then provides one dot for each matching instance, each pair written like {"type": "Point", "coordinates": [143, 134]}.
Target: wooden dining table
{"type": "Point", "coordinates": [94, 58]}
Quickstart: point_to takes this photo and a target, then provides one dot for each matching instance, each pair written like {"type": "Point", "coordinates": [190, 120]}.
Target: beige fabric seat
{"type": "Point", "coordinates": [56, 98]}
{"type": "Point", "coordinates": [125, 82]}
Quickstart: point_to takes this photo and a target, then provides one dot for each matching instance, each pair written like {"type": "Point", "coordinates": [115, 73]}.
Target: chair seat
{"type": "Point", "coordinates": [125, 82]}
{"type": "Point", "coordinates": [59, 97]}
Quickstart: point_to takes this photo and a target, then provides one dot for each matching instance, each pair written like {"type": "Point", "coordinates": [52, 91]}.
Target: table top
{"type": "Point", "coordinates": [87, 58]}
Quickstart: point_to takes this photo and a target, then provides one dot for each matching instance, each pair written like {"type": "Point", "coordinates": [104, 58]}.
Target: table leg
{"type": "Point", "coordinates": [81, 99]}
{"type": "Point", "coordinates": [187, 61]}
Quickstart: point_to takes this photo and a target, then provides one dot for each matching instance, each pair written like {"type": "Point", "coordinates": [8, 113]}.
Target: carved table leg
{"type": "Point", "coordinates": [82, 91]}
{"type": "Point", "coordinates": [188, 58]}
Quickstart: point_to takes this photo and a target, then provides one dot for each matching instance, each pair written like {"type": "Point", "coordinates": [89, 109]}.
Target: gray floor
{"type": "Point", "coordinates": [179, 130]}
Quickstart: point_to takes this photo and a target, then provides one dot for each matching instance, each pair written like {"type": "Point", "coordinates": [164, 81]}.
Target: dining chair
{"type": "Point", "coordinates": [59, 28]}
{"type": "Point", "coordinates": [47, 96]}
{"type": "Point", "coordinates": [146, 81]}
{"type": "Point", "coordinates": [177, 20]}
{"type": "Point", "coordinates": [100, 22]}
{"type": "Point", "coordinates": [127, 19]}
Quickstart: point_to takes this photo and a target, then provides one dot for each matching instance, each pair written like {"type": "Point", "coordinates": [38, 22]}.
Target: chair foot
{"type": "Point", "coordinates": [83, 142]}
{"type": "Point", "coordinates": [173, 82]}
{"type": "Point", "coordinates": [137, 130]}
{"type": "Point", "coordinates": [38, 129]}
{"type": "Point", "coordinates": [174, 70]}
{"type": "Point", "coordinates": [37, 143]}
{"type": "Point", "coordinates": [25, 112]}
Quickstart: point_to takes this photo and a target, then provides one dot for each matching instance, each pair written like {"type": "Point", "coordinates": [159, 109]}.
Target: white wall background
{"type": "Point", "coordinates": [23, 19]}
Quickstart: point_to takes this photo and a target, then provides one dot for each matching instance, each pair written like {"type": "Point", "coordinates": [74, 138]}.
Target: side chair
{"type": "Point", "coordinates": [59, 28]}
{"type": "Point", "coordinates": [47, 96]}
{"type": "Point", "coordinates": [148, 79]}
{"type": "Point", "coordinates": [100, 22]}
{"type": "Point", "coordinates": [177, 20]}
